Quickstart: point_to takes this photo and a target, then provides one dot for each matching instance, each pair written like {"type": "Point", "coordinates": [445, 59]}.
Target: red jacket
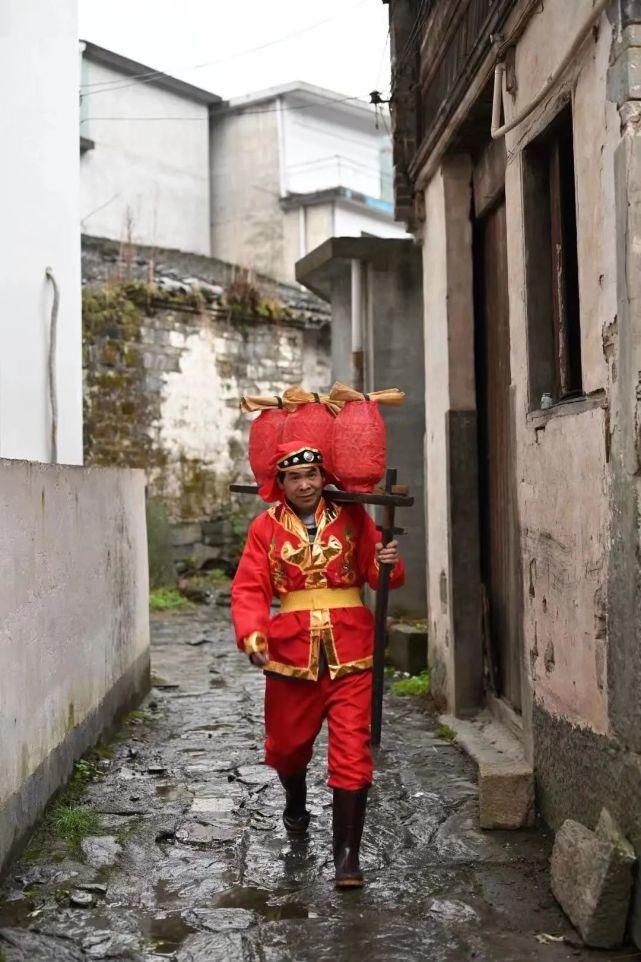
{"type": "Point", "coordinates": [278, 560]}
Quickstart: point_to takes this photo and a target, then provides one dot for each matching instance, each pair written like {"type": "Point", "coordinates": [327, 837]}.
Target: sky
{"type": "Point", "coordinates": [342, 45]}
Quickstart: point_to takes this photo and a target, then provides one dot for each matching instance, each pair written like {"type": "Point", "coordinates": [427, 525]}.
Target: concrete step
{"type": "Point", "coordinates": [506, 778]}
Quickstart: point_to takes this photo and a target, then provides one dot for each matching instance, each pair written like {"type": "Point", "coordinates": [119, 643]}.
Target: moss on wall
{"type": "Point", "coordinates": [117, 406]}
{"type": "Point", "coordinates": [161, 566]}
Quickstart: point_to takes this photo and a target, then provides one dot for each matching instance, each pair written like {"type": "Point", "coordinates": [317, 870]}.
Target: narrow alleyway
{"type": "Point", "coordinates": [189, 859]}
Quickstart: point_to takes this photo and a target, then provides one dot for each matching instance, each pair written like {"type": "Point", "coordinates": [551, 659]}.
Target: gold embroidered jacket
{"type": "Point", "coordinates": [318, 586]}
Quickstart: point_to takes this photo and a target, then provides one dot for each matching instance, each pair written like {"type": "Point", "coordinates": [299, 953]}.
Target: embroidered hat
{"type": "Point", "coordinates": [305, 457]}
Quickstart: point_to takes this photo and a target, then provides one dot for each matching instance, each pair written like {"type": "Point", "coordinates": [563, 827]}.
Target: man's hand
{"type": "Point", "coordinates": [387, 555]}
{"type": "Point", "coordinates": [259, 658]}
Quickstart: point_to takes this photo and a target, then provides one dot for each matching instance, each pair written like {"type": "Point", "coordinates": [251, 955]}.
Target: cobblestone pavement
{"type": "Point", "coordinates": [191, 861]}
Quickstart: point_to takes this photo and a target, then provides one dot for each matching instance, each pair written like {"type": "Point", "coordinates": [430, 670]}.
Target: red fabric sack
{"type": "Point", "coordinates": [359, 446]}
{"type": "Point", "coordinates": [311, 424]}
{"type": "Point", "coordinates": [265, 435]}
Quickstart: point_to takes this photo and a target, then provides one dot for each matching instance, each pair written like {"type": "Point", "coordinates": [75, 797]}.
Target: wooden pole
{"type": "Point", "coordinates": [380, 618]}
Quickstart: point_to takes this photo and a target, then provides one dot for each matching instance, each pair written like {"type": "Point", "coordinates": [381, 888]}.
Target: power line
{"type": "Point", "coordinates": [267, 110]}
{"type": "Point", "coordinates": [106, 86]}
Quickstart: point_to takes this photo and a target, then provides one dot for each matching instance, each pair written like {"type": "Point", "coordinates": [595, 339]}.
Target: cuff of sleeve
{"type": "Point", "coordinates": [256, 642]}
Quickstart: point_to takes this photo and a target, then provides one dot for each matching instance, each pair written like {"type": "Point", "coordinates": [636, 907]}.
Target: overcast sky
{"type": "Point", "coordinates": [339, 44]}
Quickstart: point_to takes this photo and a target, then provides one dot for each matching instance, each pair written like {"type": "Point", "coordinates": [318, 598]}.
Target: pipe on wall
{"type": "Point", "coordinates": [53, 341]}
{"type": "Point", "coordinates": [357, 323]}
{"type": "Point", "coordinates": [498, 131]}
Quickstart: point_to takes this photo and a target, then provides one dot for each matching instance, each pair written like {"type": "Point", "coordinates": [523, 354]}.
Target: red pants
{"type": "Point", "coordinates": [294, 713]}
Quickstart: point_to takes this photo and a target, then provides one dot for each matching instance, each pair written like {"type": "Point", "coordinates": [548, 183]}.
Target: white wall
{"type": "Point", "coordinates": [247, 222]}
{"type": "Point", "coordinates": [39, 227]}
{"type": "Point", "coordinates": [74, 632]}
{"type": "Point", "coordinates": [353, 223]}
{"type": "Point", "coordinates": [325, 148]}
{"type": "Point", "coordinates": [152, 175]}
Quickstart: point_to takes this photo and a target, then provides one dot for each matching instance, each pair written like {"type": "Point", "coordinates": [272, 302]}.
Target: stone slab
{"type": "Point", "coordinates": [592, 877]}
{"type": "Point", "coordinates": [100, 851]}
{"type": "Point", "coordinates": [20, 945]}
{"type": "Point", "coordinates": [506, 778]}
{"type": "Point", "coordinates": [185, 534]}
{"type": "Point", "coordinates": [506, 795]}
{"type": "Point", "coordinates": [407, 648]}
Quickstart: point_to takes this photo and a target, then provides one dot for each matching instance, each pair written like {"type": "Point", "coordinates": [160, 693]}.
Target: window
{"type": "Point", "coordinates": [552, 277]}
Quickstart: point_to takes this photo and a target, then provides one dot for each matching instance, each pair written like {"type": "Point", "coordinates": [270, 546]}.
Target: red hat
{"type": "Point", "coordinates": [287, 458]}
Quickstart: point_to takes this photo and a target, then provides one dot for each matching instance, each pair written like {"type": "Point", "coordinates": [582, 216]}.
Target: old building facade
{"type": "Point", "coordinates": [291, 167]}
{"type": "Point", "coordinates": [530, 236]}
{"type": "Point", "coordinates": [144, 153]}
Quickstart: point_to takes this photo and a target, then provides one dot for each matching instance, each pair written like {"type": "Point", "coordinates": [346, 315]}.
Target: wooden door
{"type": "Point", "coordinates": [499, 558]}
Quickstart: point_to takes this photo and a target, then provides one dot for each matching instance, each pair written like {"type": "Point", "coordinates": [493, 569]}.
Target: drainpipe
{"type": "Point", "coordinates": [357, 325]}
{"type": "Point", "coordinates": [282, 160]}
{"type": "Point", "coordinates": [302, 231]}
{"type": "Point", "coordinates": [368, 373]}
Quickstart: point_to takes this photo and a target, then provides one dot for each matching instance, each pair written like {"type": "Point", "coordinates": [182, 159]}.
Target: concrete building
{"type": "Point", "coordinates": [374, 288]}
{"type": "Point", "coordinates": [74, 631]}
{"type": "Point", "coordinates": [531, 243]}
{"type": "Point", "coordinates": [291, 167]}
{"type": "Point", "coordinates": [144, 166]}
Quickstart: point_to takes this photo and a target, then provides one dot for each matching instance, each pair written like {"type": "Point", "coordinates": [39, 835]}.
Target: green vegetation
{"type": "Point", "coordinates": [167, 599]}
{"type": "Point", "coordinates": [73, 823]}
{"type": "Point", "coordinates": [415, 685]}
{"type": "Point", "coordinates": [445, 733]}
{"type": "Point", "coordinates": [161, 567]}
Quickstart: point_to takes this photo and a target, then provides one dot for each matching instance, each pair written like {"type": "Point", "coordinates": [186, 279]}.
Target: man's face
{"type": "Point", "coordinates": [303, 488]}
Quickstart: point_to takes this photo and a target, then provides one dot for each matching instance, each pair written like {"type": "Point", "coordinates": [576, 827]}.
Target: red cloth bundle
{"type": "Point", "coordinates": [314, 425]}
{"type": "Point", "coordinates": [359, 446]}
{"type": "Point", "coordinates": [265, 435]}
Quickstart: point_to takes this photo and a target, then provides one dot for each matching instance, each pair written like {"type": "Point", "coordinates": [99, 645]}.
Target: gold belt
{"type": "Point", "coordinates": [315, 599]}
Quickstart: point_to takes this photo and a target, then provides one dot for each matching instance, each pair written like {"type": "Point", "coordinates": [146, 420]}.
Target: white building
{"type": "Point", "coordinates": [39, 230]}
{"type": "Point", "coordinates": [291, 167]}
{"type": "Point", "coordinates": [144, 154]}
{"type": "Point", "coordinates": [74, 625]}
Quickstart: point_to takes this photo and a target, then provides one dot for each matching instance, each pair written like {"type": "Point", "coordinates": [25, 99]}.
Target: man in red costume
{"type": "Point", "coordinates": [315, 556]}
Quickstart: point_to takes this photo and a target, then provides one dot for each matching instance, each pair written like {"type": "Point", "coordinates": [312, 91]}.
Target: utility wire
{"type": "Point", "coordinates": [105, 86]}
{"type": "Point", "coordinates": [266, 110]}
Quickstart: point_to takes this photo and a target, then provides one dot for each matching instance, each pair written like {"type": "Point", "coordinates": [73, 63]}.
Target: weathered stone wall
{"type": "Point", "coordinates": [165, 365]}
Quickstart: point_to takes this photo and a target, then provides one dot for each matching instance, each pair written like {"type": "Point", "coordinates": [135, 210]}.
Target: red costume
{"type": "Point", "coordinates": [320, 643]}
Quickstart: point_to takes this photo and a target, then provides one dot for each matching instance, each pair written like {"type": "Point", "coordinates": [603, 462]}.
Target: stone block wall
{"type": "Point", "coordinates": [165, 364]}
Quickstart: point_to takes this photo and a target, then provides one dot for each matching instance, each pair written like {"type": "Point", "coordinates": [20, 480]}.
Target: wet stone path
{"type": "Point", "coordinates": [189, 859]}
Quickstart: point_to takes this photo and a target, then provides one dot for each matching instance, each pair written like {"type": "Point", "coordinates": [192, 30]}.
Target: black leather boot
{"type": "Point", "coordinates": [295, 816]}
{"type": "Point", "coordinates": [347, 822]}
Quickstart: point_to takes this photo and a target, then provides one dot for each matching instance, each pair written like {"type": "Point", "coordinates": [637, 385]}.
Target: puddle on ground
{"type": "Point", "coordinates": [167, 933]}
{"type": "Point", "coordinates": [168, 791]}
{"type": "Point", "coordinates": [262, 901]}
{"type": "Point", "coordinates": [15, 913]}
{"type": "Point", "coordinates": [165, 893]}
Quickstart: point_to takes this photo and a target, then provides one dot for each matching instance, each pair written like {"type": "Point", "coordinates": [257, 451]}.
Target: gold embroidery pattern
{"type": "Point", "coordinates": [279, 578]}
{"type": "Point", "coordinates": [348, 567]}
{"type": "Point", "coordinates": [313, 559]}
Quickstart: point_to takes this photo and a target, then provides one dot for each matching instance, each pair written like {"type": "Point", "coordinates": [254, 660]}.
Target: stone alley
{"type": "Point", "coordinates": [188, 859]}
